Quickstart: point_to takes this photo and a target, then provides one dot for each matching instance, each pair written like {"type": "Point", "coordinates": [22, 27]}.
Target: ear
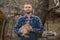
{"type": "Point", "coordinates": [33, 10]}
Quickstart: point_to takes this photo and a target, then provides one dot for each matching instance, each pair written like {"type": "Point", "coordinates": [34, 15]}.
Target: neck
{"type": "Point", "coordinates": [28, 15]}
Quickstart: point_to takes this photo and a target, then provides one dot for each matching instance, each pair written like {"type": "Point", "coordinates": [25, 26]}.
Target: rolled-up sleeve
{"type": "Point", "coordinates": [18, 25]}
{"type": "Point", "coordinates": [39, 27]}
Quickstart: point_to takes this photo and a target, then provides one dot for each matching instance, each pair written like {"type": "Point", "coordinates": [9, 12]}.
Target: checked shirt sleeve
{"type": "Point", "coordinates": [18, 25]}
{"type": "Point", "coordinates": [39, 27]}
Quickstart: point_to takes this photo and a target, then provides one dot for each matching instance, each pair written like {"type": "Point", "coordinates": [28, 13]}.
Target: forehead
{"type": "Point", "coordinates": [27, 5]}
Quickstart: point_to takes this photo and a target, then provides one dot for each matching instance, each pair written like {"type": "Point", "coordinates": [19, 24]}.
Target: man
{"type": "Point", "coordinates": [34, 22]}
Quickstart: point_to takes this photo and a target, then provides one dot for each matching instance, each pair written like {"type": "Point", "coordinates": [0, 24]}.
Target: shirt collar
{"type": "Point", "coordinates": [30, 16]}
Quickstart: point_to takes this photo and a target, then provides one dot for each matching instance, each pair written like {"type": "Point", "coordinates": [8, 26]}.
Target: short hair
{"type": "Point", "coordinates": [28, 3]}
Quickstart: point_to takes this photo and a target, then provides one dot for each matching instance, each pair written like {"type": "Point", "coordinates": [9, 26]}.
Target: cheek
{"type": "Point", "coordinates": [30, 9]}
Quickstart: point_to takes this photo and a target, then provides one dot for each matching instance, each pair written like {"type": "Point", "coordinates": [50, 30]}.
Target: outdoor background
{"type": "Point", "coordinates": [47, 10]}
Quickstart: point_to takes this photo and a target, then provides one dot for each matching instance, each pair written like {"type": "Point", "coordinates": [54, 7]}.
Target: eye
{"type": "Point", "coordinates": [29, 7]}
{"type": "Point", "coordinates": [25, 7]}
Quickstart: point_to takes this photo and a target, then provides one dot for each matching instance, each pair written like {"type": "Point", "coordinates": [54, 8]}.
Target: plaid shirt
{"type": "Point", "coordinates": [35, 23]}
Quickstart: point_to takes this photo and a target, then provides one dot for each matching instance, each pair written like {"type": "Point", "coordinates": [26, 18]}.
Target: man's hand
{"type": "Point", "coordinates": [30, 29]}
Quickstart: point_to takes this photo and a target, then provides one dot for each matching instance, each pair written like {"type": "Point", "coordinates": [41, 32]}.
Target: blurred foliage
{"type": "Point", "coordinates": [40, 8]}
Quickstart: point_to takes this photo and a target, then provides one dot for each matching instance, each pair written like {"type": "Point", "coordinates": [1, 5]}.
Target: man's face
{"type": "Point", "coordinates": [27, 8]}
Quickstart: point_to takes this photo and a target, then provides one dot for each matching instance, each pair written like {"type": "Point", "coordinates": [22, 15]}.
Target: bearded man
{"type": "Point", "coordinates": [29, 24]}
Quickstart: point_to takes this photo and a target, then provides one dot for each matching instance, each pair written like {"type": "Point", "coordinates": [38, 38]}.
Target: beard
{"type": "Point", "coordinates": [28, 12]}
